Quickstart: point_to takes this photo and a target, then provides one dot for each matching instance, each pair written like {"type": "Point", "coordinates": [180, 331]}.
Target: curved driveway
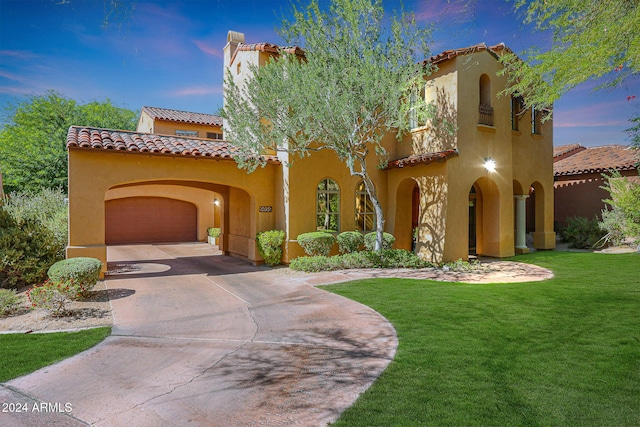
{"type": "Point", "coordinates": [211, 341]}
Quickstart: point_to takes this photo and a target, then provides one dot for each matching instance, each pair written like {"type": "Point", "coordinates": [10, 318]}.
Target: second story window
{"type": "Point", "coordinates": [485, 109]}
{"type": "Point", "coordinates": [214, 135]}
{"type": "Point", "coordinates": [186, 132]}
{"type": "Point", "coordinates": [536, 123]}
{"type": "Point", "coordinates": [328, 206]}
{"type": "Point", "coordinates": [516, 111]}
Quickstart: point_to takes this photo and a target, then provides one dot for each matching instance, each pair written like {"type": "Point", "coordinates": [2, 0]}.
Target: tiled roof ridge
{"type": "Point", "coordinates": [84, 137]}
{"type": "Point", "coordinates": [173, 115]}
{"type": "Point", "coordinates": [564, 151]}
{"type": "Point", "coordinates": [265, 47]}
{"type": "Point", "coordinates": [598, 159]}
{"type": "Point", "coordinates": [426, 158]}
{"type": "Point", "coordinates": [453, 53]}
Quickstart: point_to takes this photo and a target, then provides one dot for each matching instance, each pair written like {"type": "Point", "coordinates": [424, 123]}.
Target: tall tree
{"type": "Point", "coordinates": [33, 151]}
{"type": "Point", "coordinates": [591, 40]}
{"type": "Point", "coordinates": [352, 87]}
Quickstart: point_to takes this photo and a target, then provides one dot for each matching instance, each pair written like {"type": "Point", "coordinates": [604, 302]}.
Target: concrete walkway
{"type": "Point", "coordinates": [210, 341]}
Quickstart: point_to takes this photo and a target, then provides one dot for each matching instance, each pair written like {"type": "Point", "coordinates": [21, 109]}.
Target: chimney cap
{"type": "Point", "coordinates": [235, 37]}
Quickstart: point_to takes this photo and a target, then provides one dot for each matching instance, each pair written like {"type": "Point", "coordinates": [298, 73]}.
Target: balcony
{"type": "Point", "coordinates": [485, 115]}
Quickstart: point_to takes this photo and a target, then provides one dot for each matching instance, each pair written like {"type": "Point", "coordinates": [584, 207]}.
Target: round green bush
{"type": "Point", "coordinates": [82, 271]}
{"type": "Point", "coordinates": [316, 242]}
{"type": "Point", "coordinates": [270, 246]}
{"type": "Point", "coordinates": [370, 241]}
{"type": "Point", "coordinates": [350, 241]}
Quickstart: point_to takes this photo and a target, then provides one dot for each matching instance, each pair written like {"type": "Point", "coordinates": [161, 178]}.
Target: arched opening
{"type": "Point", "coordinates": [473, 219]}
{"type": "Point", "coordinates": [365, 212]}
{"type": "Point", "coordinates": [486, 217]}
{"type": "Point", "coordinates": [485, 107]}
{"type": "Point", "coordinates": [407, 214]}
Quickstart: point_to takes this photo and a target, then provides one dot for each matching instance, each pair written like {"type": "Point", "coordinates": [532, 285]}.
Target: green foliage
{"type": "Point", "coordinates": [213, 232]}
{"type": "Point", "coordinates": [622, 219]}
{"type": "Point", "coordinates": [24, 353]}
{"type": "Point", "coordinates": [370, 240]}
{"type": "Point", "coordinates": [81, 271]}
{"type": "Point", "coordinates": [582, 31]}
{"type": "Point", "coordinates": [316, 242]}
{"type": "Point", "coordinates": [270, 246]}
{"type": "Point", "coordinates": [47, 207]}
{"type": "Point", "coordinates": [9, 301]}
{"type": "Point", "coordinates": [350, 241]}
{"type": "Point", "coordinates": [54, 296]}
{"type": "Point", "coordinates": [352, 87]}
{"type": "Point", "coordinates": [385, 258]}
{"type": "Point", "coordinates": [27, 250]}
{"type": "Point", "coordinates": [582, 233]}
{"type": "Point", "coordinates": [33, 152]}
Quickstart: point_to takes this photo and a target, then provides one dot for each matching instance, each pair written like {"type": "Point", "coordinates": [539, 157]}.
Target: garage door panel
{"type": "Point", "coordinates": [149, 220]}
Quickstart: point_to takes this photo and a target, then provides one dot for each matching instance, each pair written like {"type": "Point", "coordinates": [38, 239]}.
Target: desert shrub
{"type": "Point", "coordinates": [9, 301]}
{"type": "Point", "coordinates": [350, 241]}
{"type": "Point", "coordinates": [582, 233]}
{"type": "Point", "coordinates": [270, 246]}
{"type": "Point", "coordinates": [27, 250]}
{"type": "Point", "coordinates": [213, 232]}
{"type": "Point", "coordinates": [621, 219]}
{"type": "Point", "coordinates": [316, 243]}
{"type": "Point", "coordinates": [47, 207]}
{"type": "Point", "coordinates": [386, 258]}
{"type": "Point", "coordinates": [370, 241]}
{"type": "Point", "coordinates": [461, 266]}
{"type": "Point", "coordinates": [54, 296]}
{"type": "Point", "coordinates": [612, 223]}
{"type": "Point", "coordinates": [83, 272]}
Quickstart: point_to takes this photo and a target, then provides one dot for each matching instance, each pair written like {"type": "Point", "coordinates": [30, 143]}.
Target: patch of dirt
{"type": "Point", "coordinates": [91, 312]}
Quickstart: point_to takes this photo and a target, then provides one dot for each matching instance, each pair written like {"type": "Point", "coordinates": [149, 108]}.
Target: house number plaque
{"type": "Point", "coordinates": [266, 208]}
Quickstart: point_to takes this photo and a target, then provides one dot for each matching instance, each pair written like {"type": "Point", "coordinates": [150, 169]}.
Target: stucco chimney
{"type": "Point", "coordinates": [234, 39]}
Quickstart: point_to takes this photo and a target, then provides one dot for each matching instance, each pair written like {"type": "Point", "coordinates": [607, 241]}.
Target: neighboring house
{"type": "Point", "coordinates": [578, 175]}
{"type": "Point", "coordinates": [164, 121]}
{"type": "Point", "coordinates": [465, 191]}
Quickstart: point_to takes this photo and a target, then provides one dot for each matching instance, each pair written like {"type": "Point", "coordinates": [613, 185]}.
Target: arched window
{"type": "Point", "coordinates": [328, 206]}
{"type": "Point", "coordinates": [485, 108]}
{"type": "Point", "coordinates": [365, 214]}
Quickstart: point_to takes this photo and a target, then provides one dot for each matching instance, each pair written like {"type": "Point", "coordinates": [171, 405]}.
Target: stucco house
{"type": "Point", "coordinates": [164, 121]}
{"type": "Point", "coordinates": [578, 178]}
{"type": "Point", "coordinates": [464, 192]}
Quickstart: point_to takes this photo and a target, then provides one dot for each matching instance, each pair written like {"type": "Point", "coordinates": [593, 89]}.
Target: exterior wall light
{"type": "Point", "coordinates": [489, 164]}
{"type": "Point", "coordinates": [216, 202]}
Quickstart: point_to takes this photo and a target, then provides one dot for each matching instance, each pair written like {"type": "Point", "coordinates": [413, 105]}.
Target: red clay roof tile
{"type": "Point", "coordinates": [563, 151]}
{"type": "Point", "coordinates": [428, 158]}
{"type": "Point", "coordinates": [166, 114]}
{"type": "Point", "coordinates": [127, 141]}
{"type": "Point", "coordinates": [597, 160]}
{"type": "Point", "coordinates": [453, 53]}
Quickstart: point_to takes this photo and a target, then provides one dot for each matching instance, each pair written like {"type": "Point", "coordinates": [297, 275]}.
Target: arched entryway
{"type": "Point", "coordinates": [484, 218]}
{"type": "Point", "coordinates": [473, 219]}
{"type": "Point", "coordinates": [407, 214]}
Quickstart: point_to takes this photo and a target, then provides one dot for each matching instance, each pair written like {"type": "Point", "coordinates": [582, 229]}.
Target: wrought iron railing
{"type": "Point", "coordinates": [485, 115]}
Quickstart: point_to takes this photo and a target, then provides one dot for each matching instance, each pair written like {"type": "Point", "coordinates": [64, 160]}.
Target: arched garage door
{"type": "Point", "coordinates": [149, 220]}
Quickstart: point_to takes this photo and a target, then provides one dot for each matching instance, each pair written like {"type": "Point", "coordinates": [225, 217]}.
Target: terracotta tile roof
{"type": "Point", "coordinates": [597, 160]}
{"type": "Point", "coordinates": [424, 159]}
{"type": "Point", "coordinates": [182, 116]}
{"type": "Point", "coordinates": [135, 142]}
{"type": "Point", "coordinates": [563, 151]}
{"type": "Point", "coordinates": [265, 47]}
{"type": "Point", "coordinates": [453, 53]}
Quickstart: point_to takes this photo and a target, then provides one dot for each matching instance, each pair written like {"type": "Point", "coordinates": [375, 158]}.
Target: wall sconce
{"type": "Point", "coordinates": [216, 202]}
{"type": "Point", "coordinates": [489, 164]}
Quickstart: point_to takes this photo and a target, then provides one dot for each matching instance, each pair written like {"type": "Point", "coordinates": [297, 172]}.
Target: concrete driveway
{"type": "Point", "coordinates": [207, 340]}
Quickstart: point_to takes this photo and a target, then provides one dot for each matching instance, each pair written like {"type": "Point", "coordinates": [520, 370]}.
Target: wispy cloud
{"type": "Point", "coordinates": [435, 10]}
{"type": "Point", "coordinates": [18, 54]}
{"type": "Point", "coordinates": [208, 49]}
{"type": "Point", "coordinates": [196, 91]}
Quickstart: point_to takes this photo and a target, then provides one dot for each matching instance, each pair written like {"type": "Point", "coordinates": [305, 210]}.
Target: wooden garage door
{"type": "Point", "coordinates": [149, 220]}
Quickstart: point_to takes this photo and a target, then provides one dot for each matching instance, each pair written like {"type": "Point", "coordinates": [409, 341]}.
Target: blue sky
{"type": "Point", "coordinates": [169, 54]}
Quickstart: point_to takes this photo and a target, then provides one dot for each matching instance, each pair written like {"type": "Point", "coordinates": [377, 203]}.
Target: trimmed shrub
{"type": "Point", "coordinates": [387, 258]}
{"type": "Point", "coordinates": [350, 241]}
{"type": "Point", "coordinates": [27, 250]}
{"type": "Point", "coordinates": [316, 243]}
{"type": "Point", "coordinates": [270, 246]}
{"type": "Point", "coordinates": [213, 232]}
{"type": "Point", "coordinates": [82, 272]}
{"type": "Point", "coordinates": [582, 233]}
{"type": "Point", "coordinates": [370, 241]}
{"type": "Point", "coordinates": [54, 296]}
{"type": "Point", "coordinates": [9, 301]}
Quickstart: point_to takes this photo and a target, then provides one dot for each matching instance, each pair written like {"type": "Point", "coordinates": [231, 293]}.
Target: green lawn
{"type": "Point", "coordinates": [565, 351]}
{"type": "Point", "coordinates": [21, 354]}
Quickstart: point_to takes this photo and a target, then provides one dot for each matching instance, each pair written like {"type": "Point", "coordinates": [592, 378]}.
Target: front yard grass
{"type": "Point", "coordinates": [565, 351]}
{"type": "Point", "coordinates": [22, 354]}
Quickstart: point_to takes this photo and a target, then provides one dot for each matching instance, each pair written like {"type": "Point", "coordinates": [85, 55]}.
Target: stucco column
{"type": "Point", "coordinates": [521, 223]}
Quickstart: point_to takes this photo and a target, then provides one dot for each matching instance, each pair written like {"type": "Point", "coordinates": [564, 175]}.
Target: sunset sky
{"type": "Point", "coordinates": [169, 54]}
